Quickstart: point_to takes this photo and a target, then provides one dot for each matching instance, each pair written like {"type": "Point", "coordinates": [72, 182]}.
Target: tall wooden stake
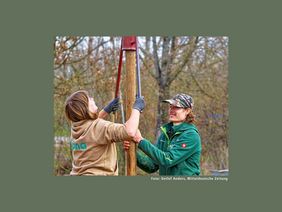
{"type": "Point", "coordinates": [129, 101]}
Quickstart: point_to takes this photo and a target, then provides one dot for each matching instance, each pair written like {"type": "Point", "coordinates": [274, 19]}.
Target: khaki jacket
{"type": "Point", "coordinates": [93, 147]}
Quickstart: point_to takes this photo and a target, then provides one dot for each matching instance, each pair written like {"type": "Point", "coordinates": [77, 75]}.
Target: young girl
{"type": "Point", "coordinates": [93, 145]}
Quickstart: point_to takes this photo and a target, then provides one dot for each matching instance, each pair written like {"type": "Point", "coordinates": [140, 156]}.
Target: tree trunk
{"type": "Point", "coordinates": [162, 112]}
{"type": "Point", "coordinates": [129, 101]}
{"type": "Point", "coordinates": [162, 70]}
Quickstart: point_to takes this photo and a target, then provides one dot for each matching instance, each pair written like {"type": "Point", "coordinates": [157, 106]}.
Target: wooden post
{"type": "Point", "coordinates": [130, 87]}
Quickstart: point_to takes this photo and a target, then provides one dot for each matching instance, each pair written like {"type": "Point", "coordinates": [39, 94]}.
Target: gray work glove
{"type": "Point", "coordinates": [112, 106]}
{"type": "Point", "coordinates": [139, 104]}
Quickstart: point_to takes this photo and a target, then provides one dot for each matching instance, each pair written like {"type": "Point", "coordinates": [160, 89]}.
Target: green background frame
{"type": "Point", "coordinates": [27, 34]}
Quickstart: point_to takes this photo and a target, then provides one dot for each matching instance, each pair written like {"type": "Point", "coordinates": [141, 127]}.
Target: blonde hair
{"type": "Point", "coordinates": [77, 107]}
{"type": "Point", "coordinates": [190, 118]}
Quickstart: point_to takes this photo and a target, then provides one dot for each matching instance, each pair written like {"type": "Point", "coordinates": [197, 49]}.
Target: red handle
{"type": "Point", "coordinates": [119, 72]}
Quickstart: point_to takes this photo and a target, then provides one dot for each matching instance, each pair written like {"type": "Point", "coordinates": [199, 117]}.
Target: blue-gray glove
{"type": "Point", "coordinates": [112, 106]}
{"type": "Point", "coordinates": [139, 104]}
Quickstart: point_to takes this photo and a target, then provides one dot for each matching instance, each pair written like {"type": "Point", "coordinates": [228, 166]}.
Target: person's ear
{"type": "Point", "coordinates": [188, 110]}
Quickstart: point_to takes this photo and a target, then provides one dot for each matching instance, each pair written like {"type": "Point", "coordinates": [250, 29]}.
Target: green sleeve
{"type": "Point", "coordinates": [145, 163]}
{"type": "Point", "coordinates": [186, 145]}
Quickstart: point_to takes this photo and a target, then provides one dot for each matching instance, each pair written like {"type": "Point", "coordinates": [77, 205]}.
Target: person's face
{"type": "Point", "coordinates": [177, 114]}
{"type": "Point", "coordinates": [92, 106]}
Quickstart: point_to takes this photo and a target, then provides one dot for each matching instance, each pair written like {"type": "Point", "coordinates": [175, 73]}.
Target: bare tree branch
{"type": "Point", "coordinates": [156, 58]}
{"type": "Point", "coordinates": [80, 59]}
{"type": "Point", "coordinates": [185, 60]}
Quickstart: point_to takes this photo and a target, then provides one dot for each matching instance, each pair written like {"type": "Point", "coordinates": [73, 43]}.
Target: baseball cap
{"type": "Point", "coordinates": [181, 100]}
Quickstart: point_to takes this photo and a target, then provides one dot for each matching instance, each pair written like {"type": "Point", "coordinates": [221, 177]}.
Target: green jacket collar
{"type": "Point", "coordinates": [179, 128]}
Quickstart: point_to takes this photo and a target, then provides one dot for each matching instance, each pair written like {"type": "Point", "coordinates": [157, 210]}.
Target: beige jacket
{"type": "Point", "coordinates": [93, 148]}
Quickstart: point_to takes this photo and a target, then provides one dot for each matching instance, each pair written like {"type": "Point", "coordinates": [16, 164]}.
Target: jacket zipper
{"type": "Point", "coordinates": [168, 142]}
{"type": "Point", "coordinates": [164, 131]}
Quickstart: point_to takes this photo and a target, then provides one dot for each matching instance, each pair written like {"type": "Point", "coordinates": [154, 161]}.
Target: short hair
{"type": "Point", "coordinates": [77, 107]}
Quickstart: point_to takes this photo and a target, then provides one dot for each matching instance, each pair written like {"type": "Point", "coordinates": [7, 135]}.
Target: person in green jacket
{"type": "Point", "coordinates": [178, 148]}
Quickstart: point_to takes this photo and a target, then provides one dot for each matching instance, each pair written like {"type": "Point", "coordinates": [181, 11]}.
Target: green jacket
{"type": "Point", "coordinates": [179, 155]}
